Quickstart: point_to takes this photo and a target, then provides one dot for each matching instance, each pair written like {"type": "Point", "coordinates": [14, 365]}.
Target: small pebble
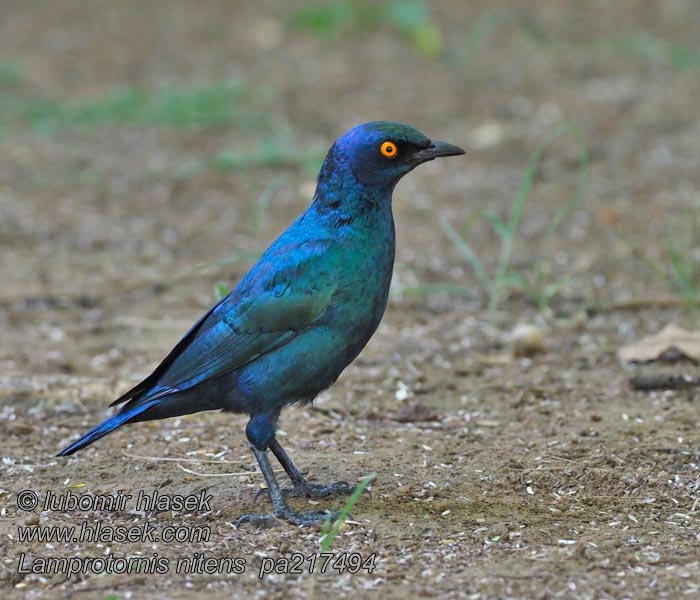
{"type": "Point", "coordinates": [527, 340]}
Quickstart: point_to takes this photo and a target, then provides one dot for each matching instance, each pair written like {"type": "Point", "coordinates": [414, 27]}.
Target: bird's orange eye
{"type": "Point", "coordinates": [389, 149]}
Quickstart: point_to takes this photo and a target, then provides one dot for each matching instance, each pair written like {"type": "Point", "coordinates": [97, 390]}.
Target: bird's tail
{"type": "Point", "coordinates": [127, 414]}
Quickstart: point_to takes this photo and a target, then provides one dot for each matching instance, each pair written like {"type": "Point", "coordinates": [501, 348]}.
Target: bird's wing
{"type": "Point", "coordinates": [269, 308]}
{"type": "Point", "coordinates": [147, 384]}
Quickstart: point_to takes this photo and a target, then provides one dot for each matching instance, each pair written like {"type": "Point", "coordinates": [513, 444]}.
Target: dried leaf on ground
{"type": "Point", "coordinates": [671, 339]}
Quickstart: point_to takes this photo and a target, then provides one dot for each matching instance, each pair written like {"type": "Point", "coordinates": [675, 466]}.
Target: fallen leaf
{"type": "Point", "coordinates": [671, 339]}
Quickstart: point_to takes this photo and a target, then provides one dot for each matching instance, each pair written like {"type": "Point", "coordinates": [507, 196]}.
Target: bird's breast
{"type": "Point", "coordinates": [363, 293]}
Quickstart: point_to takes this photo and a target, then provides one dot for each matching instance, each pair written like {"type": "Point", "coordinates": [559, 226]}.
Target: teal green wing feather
{"type": "Point", "coordinates": [248, 325]}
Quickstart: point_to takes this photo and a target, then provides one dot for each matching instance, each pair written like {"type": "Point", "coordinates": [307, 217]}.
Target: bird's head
{"type": "Point", "coordinates": [381, 152]}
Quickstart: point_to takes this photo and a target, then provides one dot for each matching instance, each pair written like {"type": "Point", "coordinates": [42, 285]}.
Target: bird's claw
{"type": "Point", "coordinates": [311, 517]}
{"type": "Point", "coordinates": [312, 490]}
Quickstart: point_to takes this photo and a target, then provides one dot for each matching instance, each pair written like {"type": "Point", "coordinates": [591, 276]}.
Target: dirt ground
{"type": "Point", "coordinates": [539, 477]}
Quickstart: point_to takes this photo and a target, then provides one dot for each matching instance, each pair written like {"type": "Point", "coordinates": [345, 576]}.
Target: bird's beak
{"type": "Point", "coordinates": [445, 149]}
{"type": "Point", "coordinates": [436, 150]}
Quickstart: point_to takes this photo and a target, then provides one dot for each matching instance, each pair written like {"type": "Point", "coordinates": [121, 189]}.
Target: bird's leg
{"type": "Point", "coordinates": [281, 509]}
{"type": "Point", "coordinates": [302, 487]}
{"type": "Point", "coordinates": [260, 432]}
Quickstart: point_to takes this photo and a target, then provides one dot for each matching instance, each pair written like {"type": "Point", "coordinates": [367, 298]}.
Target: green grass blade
{"type": "Point", "coordinates": [498, 226]}
{"type": "Point", "coordinates": [577, 196]}
{"type": "Point", "coordinates": [220, 291]}
{"type": "Point", "coordinates": [465, 249]}
{"type": "Point", "coordinates": [330, 532]}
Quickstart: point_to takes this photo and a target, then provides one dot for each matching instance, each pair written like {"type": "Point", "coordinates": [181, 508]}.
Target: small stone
{"type": "Point", "coordinates": [527, 340]}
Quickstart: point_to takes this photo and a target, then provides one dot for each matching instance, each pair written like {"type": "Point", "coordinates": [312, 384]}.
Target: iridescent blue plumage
{"type": "Point", "coordinates": [301, 314]}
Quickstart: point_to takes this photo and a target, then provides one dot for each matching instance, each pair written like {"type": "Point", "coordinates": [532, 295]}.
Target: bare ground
{"type": "Point", "coordinates": [537, 477]}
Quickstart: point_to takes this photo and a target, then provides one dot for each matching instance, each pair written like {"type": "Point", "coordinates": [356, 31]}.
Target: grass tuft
{"type": "Point", "coordinates": [410, 18]}
{"type": "Point", "coordinates": [655, 50]}
{"type": "Point", "coordinates": [216, 103]}
{"type": "Point", "coordinates": [539, 283]}
{"type": "Point", "coordinates": [683, 267]}
{"type": "Point", "coordinates": [643, 46]}
{"type": "Point", "coordinates": [680, 268]}
{"type": "Point", "coordinates": [10, 74]}
{"type": "Point", "coordinates": [220, 291]}
{"type": "Point", "coordinates": [273, 152]}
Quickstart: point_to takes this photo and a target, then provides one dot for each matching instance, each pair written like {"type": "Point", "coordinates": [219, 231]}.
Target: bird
{"type": "Point", "coordinates": [298, 318]}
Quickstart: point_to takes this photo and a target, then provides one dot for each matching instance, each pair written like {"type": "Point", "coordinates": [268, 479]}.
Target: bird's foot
{"type": "Point", "coordinates": [306, 489]}
{"type": "Point", "coordinates": [308, 518]}
{"type": "Point", "coordinates": [316, 490]}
